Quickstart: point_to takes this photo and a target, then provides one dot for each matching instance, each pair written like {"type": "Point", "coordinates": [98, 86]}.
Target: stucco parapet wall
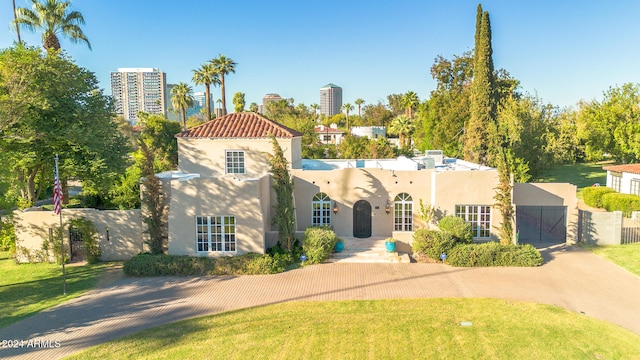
{"type": "Point", "coordinates": [400, 163]}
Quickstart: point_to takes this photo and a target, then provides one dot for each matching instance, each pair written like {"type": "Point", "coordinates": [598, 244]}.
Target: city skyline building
{"type": "Point", "coordinates": [267, 99]}
{"type": "Point", "coordinates": [138, 89]}
{"type": "Point", "coordinates": [330, 99]}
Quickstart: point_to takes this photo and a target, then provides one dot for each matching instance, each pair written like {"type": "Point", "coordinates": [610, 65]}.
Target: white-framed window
{"type": "Point", "coordinates": [234, 160]}
{"type": "Point", "coordinates": [321, 210]}
{"type": "Point", "coordinates": [635, 187]}
{"type": "Point", "coordinates": [616, 180]}
{"type": "Point", "coordinates": [479, 216]}
{"type": "Point", "coordinates": [215, 233]}
{"type": "Point", "coordinates": [403, 212]}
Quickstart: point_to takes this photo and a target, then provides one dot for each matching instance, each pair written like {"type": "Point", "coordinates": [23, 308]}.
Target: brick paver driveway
{"type": "Point", "coordinates": [571, 278]}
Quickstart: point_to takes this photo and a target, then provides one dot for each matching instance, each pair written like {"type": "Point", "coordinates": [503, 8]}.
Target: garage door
{"type": "Point", "coordinates": [541, 225]}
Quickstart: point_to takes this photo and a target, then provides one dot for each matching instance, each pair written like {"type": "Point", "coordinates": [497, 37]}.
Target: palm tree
{"type": "Point", "coordinates": [206, 75]}
{"type": "Point", "coordinates": [359, 102]}
{"type": "Point", "coordinates": [15, 18]}
{"type": "Point", "coordinates": [315, 107]}
{"type": "Point", "coordinates": [181, 99]}
{"type": "Point", "coordinates": [410, 100]}
{"type": "Point", "coordinates": [53, 19]}
{"type": "Point", "coordinates": [223, 66]}
{"type": "Point", "coordinates": [403, 126]}
{"type": "Point", "coordinates": [347, 107]}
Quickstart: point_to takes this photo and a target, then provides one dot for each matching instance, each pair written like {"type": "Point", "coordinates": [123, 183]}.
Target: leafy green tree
{"type": "Point", "coordinates": [206, 75]}
{"type": "Point", "coordinates": [503, 198]}
{"type": "Point", "coordinates": [448, 108]}
{"type": "Point", "coordinates": [283, 217]}
{"type": "Point", "coordinates": [396, 104]}
{"type": "Point", "coordinates": [410, 101]}
{"type": "Point", "coordinates": [19, 79]}
{"type": "Point", "coordinates": [238, 102]}
{"type": "Point", "coordinates": [359, 102]}
{"type": "Point", "coordinates": [153, 201]}
{"type": "Point", "coordinates": [253, 107]}
{"type": "Point", "coordinates": [404, 127]}
{"type": "Point", "coordinates": [53, 18]}
{"type": "Point", "coordinates": [71, 117]}
{"type": "Point", "coordinates": [379, 148]}
{"type": "Point", "coordinates": [377, 114]}
{"type": "Point", "coordinates": [480, 129]}
{"type": "Point", "coordinates": [353, 147]}
{"type": "Point", "coordinates": [223, 66]}
{"type": "Point", "coordinates": [181, 99]}
{"type": "Point", "coordinates": [611, 126]}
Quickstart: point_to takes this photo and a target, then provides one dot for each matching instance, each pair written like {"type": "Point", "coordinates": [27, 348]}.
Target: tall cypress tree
{"type": "Point", "coordinates": [481, 127]}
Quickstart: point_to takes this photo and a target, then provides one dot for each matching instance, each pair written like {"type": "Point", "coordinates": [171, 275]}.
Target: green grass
{"type": "Point", "coordinates": [386, 329]}
{"type": "Point", "coordinates": [625, 256]}
{"type": "Point", "coordinates": [26, 289]}
{"type": "Point", "coordinates": [580, 175]}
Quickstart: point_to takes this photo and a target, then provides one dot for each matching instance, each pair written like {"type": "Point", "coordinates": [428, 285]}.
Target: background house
{"type": "Point", "coordinates": [624, 179]}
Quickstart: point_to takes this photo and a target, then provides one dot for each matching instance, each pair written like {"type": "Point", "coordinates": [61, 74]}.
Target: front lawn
{"type": "Point", "coordinates": [26, 289]}
{"type": "Point", "coordinates": [386, 329]}
{"type": "Point", "coordinates": [625, 256]}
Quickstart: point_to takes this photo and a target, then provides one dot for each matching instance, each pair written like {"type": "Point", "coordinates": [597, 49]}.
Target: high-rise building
{"type": "Point", "coordinates": [139, 89]}
{"type": "Point", "coordinates": [267, 99]}
{"type": "Point", "coordinates": [330, 99]}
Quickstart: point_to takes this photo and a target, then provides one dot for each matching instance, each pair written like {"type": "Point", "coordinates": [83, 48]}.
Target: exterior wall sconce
{"type": "Point", "coordinates": [335, 207]}
{"type": "Point", "coordinates": [387, 208]}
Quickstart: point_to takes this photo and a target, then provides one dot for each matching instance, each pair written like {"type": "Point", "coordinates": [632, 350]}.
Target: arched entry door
{"type": "Point", "coordinates": [362, 219]}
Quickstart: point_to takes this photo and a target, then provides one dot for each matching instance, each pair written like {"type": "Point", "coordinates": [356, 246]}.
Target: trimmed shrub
{"type": "Point", "coordinates": [621, 202]}
{"type": "Point", "coordinates": [432, 243]}
{"type": "Point", "coordinates": [168, 265]}
{"type": "Point", "coordinates": [318, 243]}
{"type": "Point", "coordinates": [163, 265]}
{"type": "Point", "coordinates": [494, 254]}
{"type": "Point", "coordinates": [457, 227]}
{"type": "Point", "coordinates": [592, 195]}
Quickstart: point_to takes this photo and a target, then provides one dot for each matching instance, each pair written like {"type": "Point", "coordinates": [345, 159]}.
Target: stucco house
{"type": "Point", "coordinates": [624, 179]}
{"type": "Point", "coordinates": [221, 199]}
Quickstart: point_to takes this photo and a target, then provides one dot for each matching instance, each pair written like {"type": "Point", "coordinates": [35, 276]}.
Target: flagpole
{"type": "Point", "coordinates": [57, 207]}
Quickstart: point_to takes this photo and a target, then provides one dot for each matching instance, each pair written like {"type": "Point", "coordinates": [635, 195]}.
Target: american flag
{"type": "Point", "coordinates": [57, 190]}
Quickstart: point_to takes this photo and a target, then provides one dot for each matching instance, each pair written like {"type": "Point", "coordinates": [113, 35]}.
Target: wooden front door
{"type": "Point", "coordinates": [362, 219]}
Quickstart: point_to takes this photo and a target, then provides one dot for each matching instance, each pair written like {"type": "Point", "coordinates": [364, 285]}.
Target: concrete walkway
{"type": "Point", "coordinates": [571, 278]}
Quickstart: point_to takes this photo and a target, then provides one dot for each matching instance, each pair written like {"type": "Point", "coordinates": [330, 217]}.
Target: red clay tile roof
{"type": "Point", "coordinates": [240, 125]}
{"type": "Point", "coordinates": [328, 130]}
{"type": "Point", "coordinates": [628, 168]}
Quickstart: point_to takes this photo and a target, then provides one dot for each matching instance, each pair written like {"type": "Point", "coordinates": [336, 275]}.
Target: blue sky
{"type": "Point", "coordinates": [563, 51]}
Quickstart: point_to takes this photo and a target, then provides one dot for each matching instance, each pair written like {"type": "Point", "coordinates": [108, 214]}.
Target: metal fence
{"type": "Point", "coordinates": [630, 234]}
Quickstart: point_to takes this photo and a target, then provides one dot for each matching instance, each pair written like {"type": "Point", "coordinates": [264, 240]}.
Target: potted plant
{"type": "Point", "coordinates": [390, 244]}
{"type": "Point", "coordinates": [339, 245]}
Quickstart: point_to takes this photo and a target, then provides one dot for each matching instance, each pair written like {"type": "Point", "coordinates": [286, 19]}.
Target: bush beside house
{"type": "Point", "coordinates": [592, 195]}
{"type": "Point", "coordinates": [627, 203]}
{"type": "Point", "coordinates": [494, 254]}
{"type": "Point", "coordinates": [454, 239]}
{"type": "Point", "coordinates": [318, 243]}
{"type": "Point", "coordinates": [147, 264]}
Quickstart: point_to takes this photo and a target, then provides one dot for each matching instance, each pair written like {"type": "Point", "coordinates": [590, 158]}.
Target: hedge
{"type": "Point", "coordinates": [432, 243]}
{"type": "Point", "coordinates": [169, 265]}
{"type": "Point", "coordinates": [592, 195]}
{"type": "Point", "coordinates": [494, 254]}
{"type": "Point", "coordinates": [621, 202]}
{"type": "Point", "coordinates": [317, 243]}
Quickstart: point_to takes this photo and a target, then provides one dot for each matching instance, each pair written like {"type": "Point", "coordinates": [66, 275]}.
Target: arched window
{"type": "Point", "coordinates": [403, 212]}
{"type": "Point", "coordinates": [321, 210]}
